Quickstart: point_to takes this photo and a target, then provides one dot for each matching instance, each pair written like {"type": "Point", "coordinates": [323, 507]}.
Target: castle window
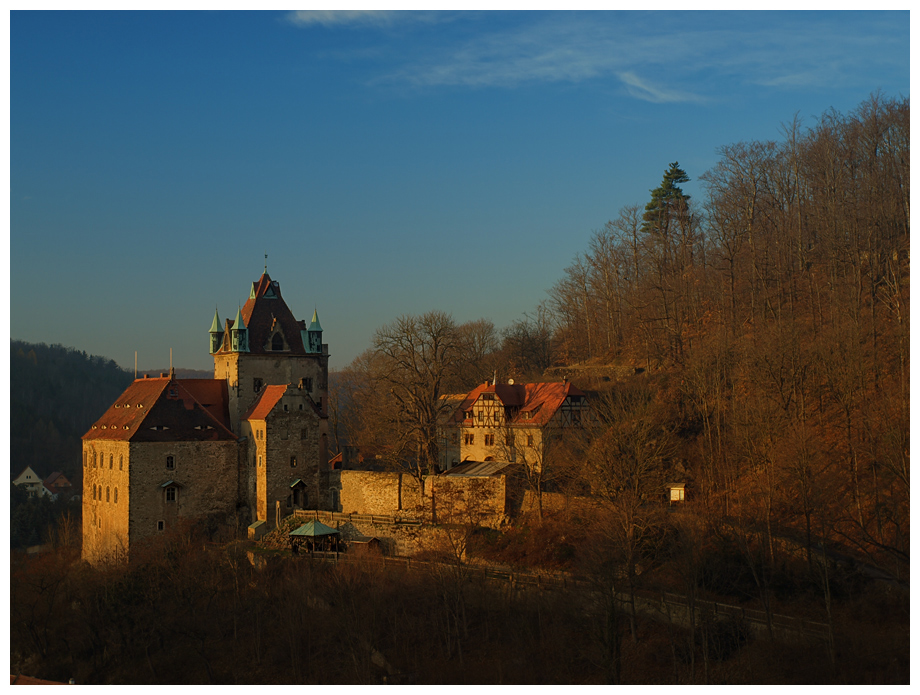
{"type": "Point", "coordinates": [94, 459]}
{"type": "Point", "coordinates": [490, 440]}
{"type": "Point", "coordinates": [121, 463]}
{"type": "Point", "coordinates": [468, 438]}
{"type": "Point", "coordinates": [293, 462]}
{"type": "Point", "coordinates": [257, 385]}
{"type": "Point", "coordinates": [107, 494]}
{"type": "Point", "coordinates": [285, 407]}
{"type": "Point", "coordinates": [300, 406]}
{"type": "Point", "coordinates": [85, 459]}
{"type": "Point", "coordinates": [116, 496]}
{"type": "Point", "coordinates": [306, 383]}
{"type": "Point", "coordinates": [277, 342]}
{"type": "Point", "coordinates": [171, 492]}
{"type": "Point", "coordinates": [94, 492]}
{"type": "Point", "coordinates": [170, 462]}
{"type": "Point", "coordinates": [161, 525]}
{"type": "Point", "coordinates": [111, 461]}
{"type": "Point", "coordinates": [260, 462]}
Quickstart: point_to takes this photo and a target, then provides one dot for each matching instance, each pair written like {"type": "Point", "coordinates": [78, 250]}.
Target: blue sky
{"type": "Point", "coordinates": [387, 163]}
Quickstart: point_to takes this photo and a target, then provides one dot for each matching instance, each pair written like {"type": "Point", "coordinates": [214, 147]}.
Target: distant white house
{"type": "Point", "coordinates": [32, 482]}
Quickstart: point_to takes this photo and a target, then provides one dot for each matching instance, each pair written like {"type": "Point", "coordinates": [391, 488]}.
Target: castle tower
{"type": "Point", "coordinates": [265, 346]}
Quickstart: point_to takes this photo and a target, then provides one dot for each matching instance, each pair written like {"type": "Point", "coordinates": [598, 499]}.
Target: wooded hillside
{"type": "Point", "coordinates": [56, 393]}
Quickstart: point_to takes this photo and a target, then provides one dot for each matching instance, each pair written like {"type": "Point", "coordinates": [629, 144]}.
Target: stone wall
{"type": "Point", "coordinates": [291, 437]}
{"type": "Point", "coordinates": [241, 370]}
{"type": "Point", "coordinates": [105, 498]}
{"type": "Point", "coordinates": [383, 494]}
{"type": "Point", "coordinates": [444, 499]}
{"type": "Point", "coordinates": [395, 539]}
{"type": "Point", "coordinates": [206, 474]}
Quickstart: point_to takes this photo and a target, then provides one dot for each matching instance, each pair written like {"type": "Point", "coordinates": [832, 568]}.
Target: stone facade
{"type": "Point", "coordinates": [481, 500]}
{"type": "Point", "coordinates": [243, 446]}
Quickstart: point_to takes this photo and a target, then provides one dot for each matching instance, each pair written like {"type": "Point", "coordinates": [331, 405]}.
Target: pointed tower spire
{"type": "Point", "coordinates": [239, 334]}
{"type": "Point", "coordinates": [314, 341]}
{"type": "Point", "coordinates": [217, 334]}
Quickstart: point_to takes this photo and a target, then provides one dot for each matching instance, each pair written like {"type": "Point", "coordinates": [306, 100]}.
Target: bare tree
{"type": "Point", "coordinates": [416, 357]}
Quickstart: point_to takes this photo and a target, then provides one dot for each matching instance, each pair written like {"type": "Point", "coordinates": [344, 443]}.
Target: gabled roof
{"type": "Point", "coordinates": [56, 479]}
{"type": "Point", "coordinates": [25, 470]}
{"type": "Point", "coordinates": [165, 410]}
{"type": "Point", "coordinates": [263, 311]}
{"type": "Point", "coordinates": [267, 400]}
{"type": "Point", "coordinates": [538, 401]}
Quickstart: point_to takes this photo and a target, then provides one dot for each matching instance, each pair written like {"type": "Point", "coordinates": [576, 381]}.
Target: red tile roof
{"type": "Point", "coordinates": [165, 410]}
{"type": "Point", "coordinates": [267, 400]}
{"type": "Point", "coordinates": [541, 401]}
{"type": "Point", "coordinates": [56, 480]}
{"type": "Point", "coordinates": [261, 314]}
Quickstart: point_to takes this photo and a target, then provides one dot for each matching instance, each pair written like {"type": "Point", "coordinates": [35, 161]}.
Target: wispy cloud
{"type": "Point", "coordinates": [657, 57]}
{"type": "Point", "coordinates": [372, 18]}
{"type": "Point", "coordinates": [641, 89]}
{"type": "Point", "coordinates": [341, 17]}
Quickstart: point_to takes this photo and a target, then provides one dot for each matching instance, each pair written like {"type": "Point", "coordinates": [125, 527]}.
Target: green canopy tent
{"type": "Point", "coordinates": [315, 535]}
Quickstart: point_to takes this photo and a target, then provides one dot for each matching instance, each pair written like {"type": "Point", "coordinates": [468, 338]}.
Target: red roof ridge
{"type": "Point", "coordinates": [267, 400]}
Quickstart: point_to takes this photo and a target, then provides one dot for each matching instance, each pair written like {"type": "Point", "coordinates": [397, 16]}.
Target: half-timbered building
{"type": "Point", "coordinates": [515, 422]}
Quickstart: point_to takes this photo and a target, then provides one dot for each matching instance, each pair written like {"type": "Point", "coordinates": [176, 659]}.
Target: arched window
{"type": "Point", "coordinates": [116, 496]}
{"type": "Point", "coordinates": [111, 461]}
{"type": "Point", "coordinates": [121, 462]}
{"type": "Point", "coordinates": [107, 494]}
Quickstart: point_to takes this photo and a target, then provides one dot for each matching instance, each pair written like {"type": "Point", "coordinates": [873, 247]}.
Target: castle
{"type": "Point", "coordinates": [248, 445]}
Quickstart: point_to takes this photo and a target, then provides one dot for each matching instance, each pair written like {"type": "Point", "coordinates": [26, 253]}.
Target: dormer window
{"type": "Point", "coordinates": [277, 343]}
